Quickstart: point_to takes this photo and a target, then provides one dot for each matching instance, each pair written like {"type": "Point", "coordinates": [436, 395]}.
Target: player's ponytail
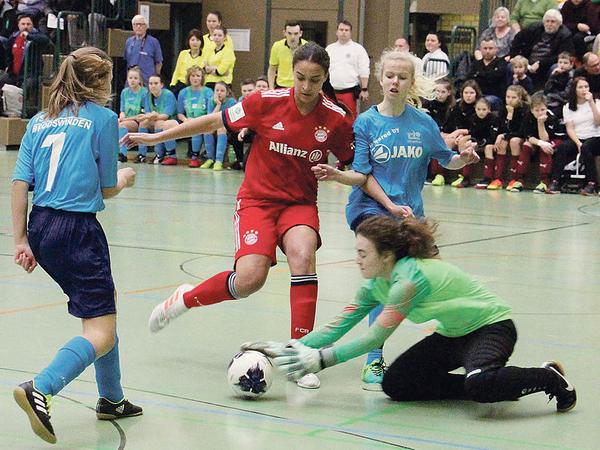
{"type": "Point", "coordinates": [84, 76]}
{"type": "Point", "coordinates": [407, 237]}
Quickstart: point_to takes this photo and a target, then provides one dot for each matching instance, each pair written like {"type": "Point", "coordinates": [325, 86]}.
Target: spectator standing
{"type": "Point", "coordinates": [349, 69]}
{"type": "Point", "coordinates": [280, 72]}
{"type": "Point", "coordinates": [500, 32]}
{"type": "Point", "coordinates": [401, 44]}
{"type": "Point", "coordinates": [213, 20]}
{"type": "Point", "coordinates": [219, 60]}
{"type": "Point", "coordinates": [527, 12]}
{"type": "Point", "coordinates": [143, 50]}
{"type": "Point", "coordinates": [15, 55]}
{"type": "Point", "coordinates": [435, 62]}
{"type": "Point", "coordinates": [186, 59]}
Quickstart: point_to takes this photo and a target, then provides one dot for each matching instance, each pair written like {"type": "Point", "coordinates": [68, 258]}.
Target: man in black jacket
{"type": "Point", "coordinates": [490, 73]}
{"type": "Point", "coordinates": [541, 42]}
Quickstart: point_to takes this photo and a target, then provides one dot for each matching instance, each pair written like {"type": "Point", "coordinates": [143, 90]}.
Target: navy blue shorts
{"type": "Point", "coordinates": [72, 248]}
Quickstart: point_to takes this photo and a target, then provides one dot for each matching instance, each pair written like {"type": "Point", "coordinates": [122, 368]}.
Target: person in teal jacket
{"type": "Point", "coordinates": [475, 328]}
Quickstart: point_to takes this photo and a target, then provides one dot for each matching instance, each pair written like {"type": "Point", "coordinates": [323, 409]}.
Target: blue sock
{"type": "Point", "coordinates": [221, 146]}
{"type": "Point", "coordinates": [209, 143]}
{"type": "Point", "coordinates": [68, 363]}
{"type": "Point", "coordinates": [378, 352]}
{"type": "Point", "coordinates": [123, 148]}
{"type": "Point", "coordinates": [197, 143]}
{"type": "Point", "coordinates": [143, 149]}
{"type": "Point", "coordinates": [108, 375]}
{"type": "Point", "coordinates": [159, 149]}
{"type": "Point", "coordinates": [171, 147]}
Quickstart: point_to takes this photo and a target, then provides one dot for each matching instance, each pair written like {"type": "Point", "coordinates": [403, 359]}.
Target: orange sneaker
{"type": "Point", "coordinates": [495, 185]}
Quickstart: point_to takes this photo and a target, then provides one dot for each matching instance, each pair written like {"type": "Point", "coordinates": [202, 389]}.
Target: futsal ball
{"type": "Point", "coordinates": [250, 374]}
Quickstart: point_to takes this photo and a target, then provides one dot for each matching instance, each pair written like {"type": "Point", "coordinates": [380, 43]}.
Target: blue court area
{"type": "Point", "coordinates": [539, 252]}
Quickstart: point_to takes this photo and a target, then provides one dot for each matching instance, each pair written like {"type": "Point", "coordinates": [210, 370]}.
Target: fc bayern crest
{"type": "Point", "coordinates": [251, 237]}
{"type": "Point", "coordinates": [321, 134]}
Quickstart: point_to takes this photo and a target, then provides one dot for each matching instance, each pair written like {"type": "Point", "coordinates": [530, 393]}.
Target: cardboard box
{"type": "Point", "coordinates": [158, 15]}
{"type": "Point", "coordinates": [12, 130]}
{"type": "Point", "coordinates": [116, 41]}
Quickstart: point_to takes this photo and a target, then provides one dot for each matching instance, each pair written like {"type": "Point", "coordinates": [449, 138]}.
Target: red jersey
{"type": "Point", "coordinates": [287, 144]}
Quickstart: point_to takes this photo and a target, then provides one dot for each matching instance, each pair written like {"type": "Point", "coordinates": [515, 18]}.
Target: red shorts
{"type": "Point", "coordinates": [259, 226]}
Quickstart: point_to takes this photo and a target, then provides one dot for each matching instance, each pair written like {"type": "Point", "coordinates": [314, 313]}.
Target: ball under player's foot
{"type": "Point", "coordinates": [309, 381]}
{"type": "Point", "coordinates": [37, 407]}
{"type": "Point", "coordinates": [107, 410]}
{"type": "Point", "coordinates": [168, 310]}
{"type": "Point", "coordinates": [565, 394]}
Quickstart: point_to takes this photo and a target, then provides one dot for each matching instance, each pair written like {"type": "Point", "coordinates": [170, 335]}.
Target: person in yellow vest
{"type": "Point", "coordinates": [214, 19]}
{"type": "Point", "coordinates": [219, 60]}
{"type": "Point", "coordinates": [186, 59]}
{"type": "Point", "coordinates": [280, 72]}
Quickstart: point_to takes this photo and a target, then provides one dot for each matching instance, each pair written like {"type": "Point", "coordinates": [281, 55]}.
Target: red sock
{"type": "Point", "coordinates": [513, 166]}
{"type": "Point", "coordinates": [524, 160]}
{"type": "Point", "coordinates": [214, 290]}
{"type": "Point", "coordinates": [434, 167]}
{"type": "Point", "coordinates": [467, 171]}
{"type": "Point", "coordinates": [488, 168]}
{"type": "Point", "coordinates": [500, 166]}
{"type": "Point", "coordinates": [303, 303]}
{"type": "Point", "coordinates": [545, 166]}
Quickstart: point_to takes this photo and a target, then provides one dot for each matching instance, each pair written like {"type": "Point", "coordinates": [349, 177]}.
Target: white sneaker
{"type": "Point", "coordinates": [168, 310]}
{"type": "Point", "coordinates": [309, 381]}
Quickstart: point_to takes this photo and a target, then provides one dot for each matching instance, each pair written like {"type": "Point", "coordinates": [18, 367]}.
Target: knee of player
{"type": "Point", "coordinates": [397, 385]}
{"type": "Point", "coordinates": [478, 385]}
{"type": "Point", "coordinates": [247, 283]}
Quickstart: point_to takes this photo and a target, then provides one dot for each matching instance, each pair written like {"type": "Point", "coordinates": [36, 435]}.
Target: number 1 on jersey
{"type": "Point", "coordinates": [57, 141]}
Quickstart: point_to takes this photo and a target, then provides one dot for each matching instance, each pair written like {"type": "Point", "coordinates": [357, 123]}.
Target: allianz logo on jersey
{"type": "Point", "coordinates": [285, 149]}
{"type": "Point", "coordinates": [382, 153]}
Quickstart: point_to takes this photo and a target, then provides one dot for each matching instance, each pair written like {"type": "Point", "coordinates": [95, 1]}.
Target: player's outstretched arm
{"type": "Point", "coordinates": [125, 178]}
{"type": "Point", "coordinates": [198, 125]}
{"type": "Point", "coordinates": [19, 201]}
{"type": "Point", "coordinates": [325, 172]}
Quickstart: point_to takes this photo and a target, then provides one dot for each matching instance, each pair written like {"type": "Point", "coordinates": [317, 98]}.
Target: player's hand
{"type": "Point", "coordinates": [24, 257]}
{"type": "Point", "coordinates": [468, 154]}
{"type": "Point", "coordinates": [451, 139]}
{"type": "Point", "coordinates": [546, 147]}
{"type": "Point", "coordinates": [325, 172]}
{"type": "Point", "coordinates": [127, 174]}
{"type": "Point", "coordinates": [401, 211]}
{"type": "Point", "coordinates": [133, 139]}
{"type": "Point", "coordinates": [271, 349]}
{"type": "Point", "coordinates": [299, 360]}
{"type": "Point", "coordinates": [242, 134]}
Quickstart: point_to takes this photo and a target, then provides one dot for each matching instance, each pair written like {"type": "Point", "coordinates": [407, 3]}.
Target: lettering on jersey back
{"type": "Point", "coordinates": [61, 122]}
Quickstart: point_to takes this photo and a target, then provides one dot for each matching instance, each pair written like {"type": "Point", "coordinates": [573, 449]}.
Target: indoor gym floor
{"type": "Point", "coordinates": [539, 252]}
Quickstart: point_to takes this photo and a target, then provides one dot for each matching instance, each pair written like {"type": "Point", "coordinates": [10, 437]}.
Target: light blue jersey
{"type": "Point", "coordinates": [165, 103]}
{"type": "Point", "coordinates": [192, 103]}
{"type": "Point", "coordinates": [228, 103]}
{"type": "Point", "coordinates": [70, 158]}
{"type": "Point", "coordinates": [132, 102]}
{"type": "Point", "coordinates": [396, 151]}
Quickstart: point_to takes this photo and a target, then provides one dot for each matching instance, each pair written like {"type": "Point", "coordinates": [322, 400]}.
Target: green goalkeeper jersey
{"type": "Point", "coordinates": [419, 290]}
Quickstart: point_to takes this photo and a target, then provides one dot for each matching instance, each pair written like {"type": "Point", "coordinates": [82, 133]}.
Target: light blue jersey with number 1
{"type": "Point", "coordinates": [70, 158]}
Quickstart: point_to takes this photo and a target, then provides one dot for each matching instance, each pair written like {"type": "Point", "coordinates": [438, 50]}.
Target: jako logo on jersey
{"type": "Point", "coordinates": [382, 154]}
{"type": "Point", "coordinates": [278, 126]}
{"type": "Point", "coordinates": [251, 237]}
{"type": "Point", "coordinates": [321, 133]}
{"type": "Point", "coordinates": [282, 148]}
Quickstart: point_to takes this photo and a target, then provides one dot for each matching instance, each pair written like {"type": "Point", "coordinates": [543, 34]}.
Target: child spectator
{"type": "Point", "coordinates": [132, 99]}
{"type": "Point", "coordinates": [555, 89]}
{"type": "Point", "coordinates": [222, 99]}
{"type": "Point", "coordinates": [160, 109]}
{"type": "Point", "coordinates": [542, 131]}
{"type": "Point", "coordinates": [262, 83]}
{"type": "Point", "coordinates": [519, 66]}
{"type": "Point", "coordinates": [484, 130]}
{"type": "Point", "coordinates": [193, 101]}
{"type": "Point", "coordinates": [186, 59]}
{"type": "Point", "coordinates": [247, 86]}
{"type": "Point", "coordinates": [439, 110]}
{"type": "Point", "coordinates": [511, 120]}
{"type": "Point", "coordinates": [460, 117]}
